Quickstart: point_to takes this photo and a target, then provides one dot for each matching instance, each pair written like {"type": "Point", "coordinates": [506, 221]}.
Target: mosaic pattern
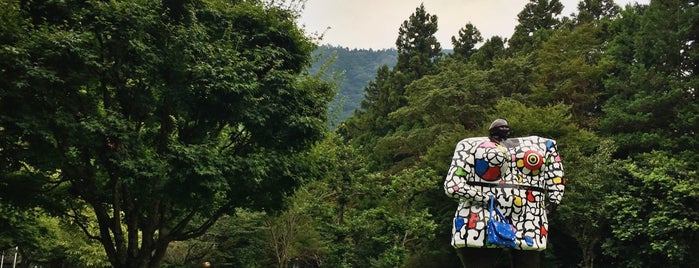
{"type": "Point", "coordinates": [521, 173]}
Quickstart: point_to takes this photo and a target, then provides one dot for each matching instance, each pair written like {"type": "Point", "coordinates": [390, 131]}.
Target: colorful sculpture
{"type": "Point", "coordinates": [520, 172]}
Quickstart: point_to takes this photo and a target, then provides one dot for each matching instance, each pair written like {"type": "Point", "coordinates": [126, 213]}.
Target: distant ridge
{"type": "Point", "coordinates": [356, 68]}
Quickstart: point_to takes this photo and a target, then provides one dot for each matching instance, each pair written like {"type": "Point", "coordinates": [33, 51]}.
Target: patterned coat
{"type": "Point", "coordinates": [520, 172]}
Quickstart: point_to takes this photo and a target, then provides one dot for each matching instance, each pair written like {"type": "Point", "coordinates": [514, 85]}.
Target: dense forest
{"type": "Point", "coordinates": [189, 133]}
{"type": "Point", "coordinates": [351, 70]}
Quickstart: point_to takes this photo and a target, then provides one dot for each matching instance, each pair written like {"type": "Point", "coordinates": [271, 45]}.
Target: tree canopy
{"type": "Point", "coordinates": [143, 122]}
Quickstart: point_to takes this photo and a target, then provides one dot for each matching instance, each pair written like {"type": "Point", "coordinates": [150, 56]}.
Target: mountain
{"type": "Point", "coordinates": [353, 69]}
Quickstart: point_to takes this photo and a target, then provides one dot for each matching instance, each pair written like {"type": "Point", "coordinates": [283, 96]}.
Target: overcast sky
{"type": "Point", "coordinates": [374, 23]}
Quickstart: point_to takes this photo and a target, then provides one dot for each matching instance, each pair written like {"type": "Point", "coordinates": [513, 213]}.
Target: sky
{"type": "Point", "coordinates": [365, 24]}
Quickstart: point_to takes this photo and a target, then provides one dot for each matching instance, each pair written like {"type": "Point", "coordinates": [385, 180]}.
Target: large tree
{"type": "Point", "coordinates": [492, 49]}
{"type": "Point", "coordinates": [652, 102]}
{"type": "Point", "coordinates": [569, 69]}
{"type": "Point", "coordinates": [418, 52]}
{"type": "Point", "coordinates": [418, 48]}
{"type": "Point", "coordinates": [146, 121]}
{"type": "Point", "coordinates": [465, 45]}
{"type": "Point", "coordinates": [536, 21]}
{"type": "Point", "coordinates": [591, 11]}
{"type": "Point", "coordinates": [651, 113]}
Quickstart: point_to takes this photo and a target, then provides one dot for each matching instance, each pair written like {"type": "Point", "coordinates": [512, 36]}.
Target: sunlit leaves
{"type": "Point", "coordinates": [654, 208]}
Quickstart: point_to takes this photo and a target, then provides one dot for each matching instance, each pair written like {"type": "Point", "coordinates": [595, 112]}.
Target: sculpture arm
{"type": "Point", "coordinates": [555, 177]}
{"type": "Point", "coordinates": [455, 183]}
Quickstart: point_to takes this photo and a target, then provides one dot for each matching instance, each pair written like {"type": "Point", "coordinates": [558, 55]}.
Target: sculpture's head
{"type": "Point", "coordinates": [499, 130]}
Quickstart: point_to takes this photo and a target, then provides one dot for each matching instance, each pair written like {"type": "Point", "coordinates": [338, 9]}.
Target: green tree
{"type": "Point", "coordinates": [42, 239]}
{"type": "Point", "coordinates": [239, 240]}
{"type": "Point", "coordinates": [458, 97]}
{"type": "Point", "coordinates": [570, 66]}
{"type": "Point", "coordinates": [333, 200]}
{"type": "Point", "coordinates": [381, 97]}
{"type": "Point", "coordinates": [418, 48]}
{"type": "Point", "coordinates": [569, 69]}
{"type": "Point", "coordinates": [591, 11]}
{"type": "Point", "coordinates": [371, 121]}
{"type": "Point", "coordinates": [652, 102]}
{"type": "Point", "coordinates": [535, 23]}
{"type": "Point", "coordinates": [590, 176]}
{"type": "Point", "coordinates": [418, 52]}
{"type": "Point", "coordinates": [447, 104]}
{"type": "Point", "coordinates": [389, 221]}
{"type": "Point", "coordinates": [651, 220]}
{"type": "Point", "coordinates": [293, 240]}
{"type": "Point", "coordinates": [364, 219]}
{"type": "Point", "coordinates": [465, 45]}
{"type": "Point", "coordinates": [551, 121]}
{"type": "Point", "coordinates": [155, 117]}
{"type": "Point", "coordinates": [653, 210]}
{"type": "Point", "coordinates": [586, 160]}
{"type": "Point", "coordinates": [492, 49]}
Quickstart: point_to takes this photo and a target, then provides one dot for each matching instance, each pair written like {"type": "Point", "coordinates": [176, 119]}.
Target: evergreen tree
{"type": "Point", "coordinates": [178, 106]}
{"type": "Point", "coordinates": [590, 11]}
{"type": "Point", "coordinates": [465, 44]}
{"type": "Point", "coordinates": [651, 113]}
{"type": "Point", "coordinates": [569, 69]}
{"type": "Point", "coordinates": [652, 99]}
{"type": "Point", "coordinates": [381, 97]}
{"type": "Point", "coordinates": [583, 199]}
{"type": "Point", "coordinates": [492, 49]}
{"type": "Point", "coordinates": [418, 52]}
{"type": "Point", "coordinates": [535, 24]}
{"type": "Point", "coordinates": [418, 48]}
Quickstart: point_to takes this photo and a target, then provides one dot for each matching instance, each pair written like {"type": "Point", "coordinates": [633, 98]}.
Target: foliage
{"type": "Point", "coordinates": [654, 214]}
{"type": "Point", "coordinates": [42, 239]}
{"type": "Point", "coordinates": [594, 11]}
{"type": "Point", "coordinates": [418, 52]}
{"type": "Point", "coordinates": [492, 49]}
{"type": "Point", "coordinates": [589, 179]}
{"type": "Point", "coordinates": [570, 70]}
{"type": "Point", "coordinates": [465, 45]}
{"type": "Point", "coordinates": [238, 240]}
{"type": "Point", "coordinates": [355, 68]}
{"type": "Point", "coordinates": [418, 48]}
{"type": "Point", "coordinates": [294, 239]}
{"type": "Point", "coordinates": [158, 117]}
{"type": "Point", "coordinates": [587, 171]}
{"type": "Point", "coordinates": [574, 81]}
{"type": "Point", "coordinates": [652, 100]}
{"type": "Point", "coordinates": [537, 21]}
{"type": "Point", "coordinates": [205, 107]}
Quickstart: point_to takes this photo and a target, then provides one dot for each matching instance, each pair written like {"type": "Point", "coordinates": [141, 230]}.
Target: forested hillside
{"type": "Point", "coordinates": [351, 69]}
{"type": "Point", "coordinates": [149, 134]}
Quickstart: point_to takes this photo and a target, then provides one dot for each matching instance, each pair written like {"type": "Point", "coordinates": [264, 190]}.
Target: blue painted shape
{"type": "Point", "coordinates": [481, 167]}
{"type": "Point", "coordinates": [458, 223]}
{"type": "Point", "coordinates": [529, 241]}
{"type": "Point", "coordinates": [549, 145]}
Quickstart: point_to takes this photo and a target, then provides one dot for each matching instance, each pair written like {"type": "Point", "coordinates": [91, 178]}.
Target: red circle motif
{"type": "Point", "coordinates": [533, 160]}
